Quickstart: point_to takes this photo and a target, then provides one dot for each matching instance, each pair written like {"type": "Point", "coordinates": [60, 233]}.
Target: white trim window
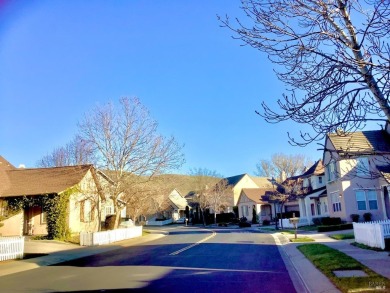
{"type": "Point", "coordinates": [336, 204]}
{"type": "Point", "coordinates": [361, 200]}
{"type": "Point", "coordinates": [366, 198]}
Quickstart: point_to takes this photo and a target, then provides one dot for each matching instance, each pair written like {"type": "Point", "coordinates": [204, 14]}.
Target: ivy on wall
{"type": "Point", "coordinates": [57, 210]}
{"type": "Point", "coordinates": [56, 207]}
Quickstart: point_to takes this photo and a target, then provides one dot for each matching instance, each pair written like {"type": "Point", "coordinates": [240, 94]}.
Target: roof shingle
{"type": "Point", "coordinates": [18, 182]}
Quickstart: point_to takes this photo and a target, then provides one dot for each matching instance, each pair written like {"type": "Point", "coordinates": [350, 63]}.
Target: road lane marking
{"type": "Point", "coordinates": [195, 244]}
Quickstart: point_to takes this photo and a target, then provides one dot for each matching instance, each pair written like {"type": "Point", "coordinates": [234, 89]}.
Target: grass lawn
{"type": "Point", "coordinates": [302, 239]}
{"type": "Point", "coordinates": [327, 260]}
{"type": "Point", "coordinates": [343, 236]}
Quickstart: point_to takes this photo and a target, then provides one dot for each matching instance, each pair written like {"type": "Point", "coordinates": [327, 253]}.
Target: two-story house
{"type": "Point", "coordinates": [312, 198]}
{"type": "Point", "coordinates": [357, 168]}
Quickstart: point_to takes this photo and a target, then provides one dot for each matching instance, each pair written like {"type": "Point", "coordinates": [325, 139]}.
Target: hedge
{"type": "Point", "coordinates": [335, 227]}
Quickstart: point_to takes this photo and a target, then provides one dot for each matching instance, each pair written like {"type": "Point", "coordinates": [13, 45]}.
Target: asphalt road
{"type": "Point", "coordinates": [186, 260]}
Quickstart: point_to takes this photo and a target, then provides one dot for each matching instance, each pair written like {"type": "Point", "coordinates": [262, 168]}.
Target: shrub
{"type": "Point", "coordinates": [243, 220]}
{"type": "Point", "coordinates": [367, 217]}
{"type": "Point", "coordinates": [328, 221]}
{"type": "Point", "coordinates": [266, 222]}
{"type": "Point", "coordinates": [225, 217]}
{"type": "Point", "coordinates": [355, 217]}
{"type": "Point", "coordinates": [109, 223]}
{"type": "Point", "coordinates": [244, 224]}
{"type": "Point", "coordinates": [317, 221]}
{"type": "Point", "coordinates": [335, 227]}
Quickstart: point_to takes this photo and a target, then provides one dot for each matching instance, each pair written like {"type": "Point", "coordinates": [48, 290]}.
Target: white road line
{"type": "Point", "coordinates": [192, 245]}
{"type": "Point", "coordinates": [225, 270]}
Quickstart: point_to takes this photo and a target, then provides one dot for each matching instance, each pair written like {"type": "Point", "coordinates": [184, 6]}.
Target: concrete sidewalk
{"type": "Point", "coordinates": [60, 251]}
{"type": "Point", "coordinates": [313, 279]}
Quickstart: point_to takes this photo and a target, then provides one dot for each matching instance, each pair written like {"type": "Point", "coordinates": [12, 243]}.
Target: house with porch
{"type": "Point", "coordinates": [251, 199]}
{"type": "Point", "coordinates": [178, 205]}
{"type": "Point", "coordinates": [357, 174]}
{"type": "Point", "coordinates": [312, 198]}
{"type": "Point", "coordinates": [242, 181]}
{"type": "Point", "coordinates": [30, 198]}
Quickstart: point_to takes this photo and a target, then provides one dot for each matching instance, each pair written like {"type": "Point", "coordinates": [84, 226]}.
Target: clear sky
{"type": "Point", "coordinates": [59, 59]}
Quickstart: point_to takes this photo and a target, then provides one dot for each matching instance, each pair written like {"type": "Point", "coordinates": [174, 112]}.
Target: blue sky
{"type": "Point", "coordinates": [59, 59]}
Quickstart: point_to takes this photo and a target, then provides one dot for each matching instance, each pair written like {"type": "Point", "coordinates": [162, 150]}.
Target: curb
{"type": "Point", "coordinates": [313, 280]}
{"type": "Point", "coordinates": [297, 279]}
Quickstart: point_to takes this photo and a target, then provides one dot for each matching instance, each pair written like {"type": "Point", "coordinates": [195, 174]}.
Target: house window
{"type": "Point", "coordinates": [320, 180]}
{"type": "Point", "coordinates": [331, 171]}
{"type": "Point", "coordinates": [336, 204]}
{"type": "Point", "coordinates": [372, 200]}
{"type": "Point", "coordinates": [86, 211]}
{"type": "Point", "coordinates": [109, 210]}
{"type": "Point", "coordinates": [43, 217]}
{"type": "Point", "coordinates": [366, 198]}
{"type": "Point", "coordinates": [361, 200]}
{"type": "Point", "coordinates": [362, 168]}
{"type": "Point", "coordinates": [325, 207]}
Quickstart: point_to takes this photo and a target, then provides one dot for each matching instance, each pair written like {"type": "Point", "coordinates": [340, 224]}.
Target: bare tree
{"type": "Point", "coordinates": [282, 166]}
{"type": "Point", "coordinates": [219, 197]}
{"type": "Point", "coordinates": [205, 182]}
{"type": "Point", "coordinates": [285, 191]}
{"type": "Point", "coordinates": [333, 56]}
{"type": "Point", "coordinates": [76, 152]}
{"type": "Point", "coordinates": [126, 142]}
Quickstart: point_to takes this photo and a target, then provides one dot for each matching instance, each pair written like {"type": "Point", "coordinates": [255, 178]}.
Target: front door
{"type": "Point", "coordinates": [30, 215]}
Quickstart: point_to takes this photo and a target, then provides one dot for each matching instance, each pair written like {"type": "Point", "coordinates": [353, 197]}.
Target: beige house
{"type": "Point", "coordinates": [313, 201]}
{"type": "Point", "coordinates": [357, 174]}
{"type": "Point", "coordinates": [239, 182]}
{"type": "Point", "coordinates": [250, 198]}
{"type": "Point", "coordinates": [86, 204]}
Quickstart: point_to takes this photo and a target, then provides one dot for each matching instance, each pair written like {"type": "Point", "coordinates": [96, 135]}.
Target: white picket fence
{"type": "Point", "coordinates": [158, 223]}
{"type": "Point", "coordinates": [106, 237]}
{"type": "Point", "coordinates": [11, 248]}
{"type": "Point", "coordinates": [287, 224]}
{"type": "Point", "coordinates": [372, 234]}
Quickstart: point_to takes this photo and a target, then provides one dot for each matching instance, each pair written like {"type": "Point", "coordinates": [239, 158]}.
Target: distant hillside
{"type": "Point", "coordinates": [182, 183]}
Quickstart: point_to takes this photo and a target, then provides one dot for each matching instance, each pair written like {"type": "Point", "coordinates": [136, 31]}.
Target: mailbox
{"type": "Point", "coordinates": [294, 221]}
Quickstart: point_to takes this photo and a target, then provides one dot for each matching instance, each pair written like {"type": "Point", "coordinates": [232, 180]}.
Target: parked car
{"type": "Point", "coordinates": [181, 220]}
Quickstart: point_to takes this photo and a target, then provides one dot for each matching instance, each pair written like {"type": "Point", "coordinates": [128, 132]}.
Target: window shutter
{"type": "Point", "coordinates": [82, 204]}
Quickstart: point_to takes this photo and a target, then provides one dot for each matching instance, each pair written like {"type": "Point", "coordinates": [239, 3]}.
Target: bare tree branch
{"type": "Point", "coordinates": [333, 55]}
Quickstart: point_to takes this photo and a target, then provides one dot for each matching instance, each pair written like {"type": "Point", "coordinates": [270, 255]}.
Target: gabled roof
{"type": "Point", "coordinates": [255, 194]}
{"type": "Point", "coordinates": [262, 182]}
{"type": "Point", "coordinates": [233, 180]}
{"type": "Point", "coordinates": [20, 182]}
{"type": "Point", "coordinates": [362, 142]}
{"type": "Point", "coordinates": [5, 165]}
{"type": "Point", "coordinates": [176, 198]}
{"type": "Point", "coordinates": [385, 171]}
{"type": "Point", "coordinates": [316, 169]}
